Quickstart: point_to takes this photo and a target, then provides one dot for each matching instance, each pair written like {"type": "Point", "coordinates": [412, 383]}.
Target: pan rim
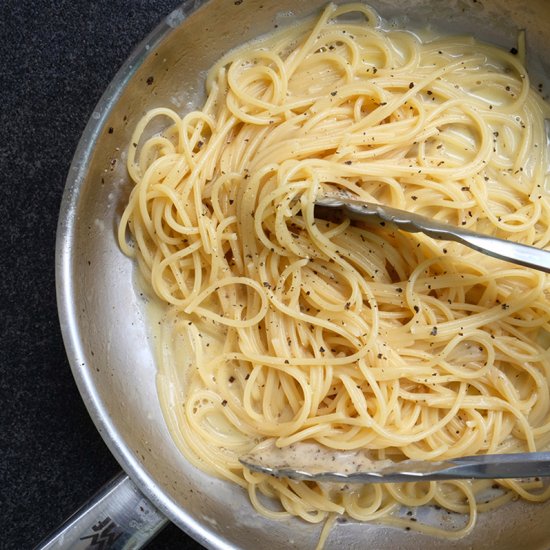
{"type": "Point", "coordinates": [64, 270]}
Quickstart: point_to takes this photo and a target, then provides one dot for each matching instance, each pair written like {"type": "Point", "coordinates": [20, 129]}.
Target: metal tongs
{"type": "Point", "coordinates": [521, 254]}
{"type": "Point", "coordinates": [314, 462]}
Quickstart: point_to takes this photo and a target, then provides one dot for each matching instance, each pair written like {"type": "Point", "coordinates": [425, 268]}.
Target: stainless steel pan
{"type": "Point", "coordinates": [102, 312]}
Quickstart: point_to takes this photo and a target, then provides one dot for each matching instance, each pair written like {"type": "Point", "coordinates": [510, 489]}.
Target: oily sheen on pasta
{"type": "Point", "coordinates": [286, 327]}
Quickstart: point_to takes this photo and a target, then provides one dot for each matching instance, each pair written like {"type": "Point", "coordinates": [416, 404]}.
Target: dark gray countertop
{"type": "Point", "coordinates": [56, 59]}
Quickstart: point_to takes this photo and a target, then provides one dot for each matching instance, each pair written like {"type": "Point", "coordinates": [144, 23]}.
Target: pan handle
{"type": "Point", "coordinates": [118, 517]}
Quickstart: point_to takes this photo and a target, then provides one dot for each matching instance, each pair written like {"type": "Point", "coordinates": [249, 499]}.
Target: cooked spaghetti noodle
{"type": "Point", "coordinates": [283, 326]}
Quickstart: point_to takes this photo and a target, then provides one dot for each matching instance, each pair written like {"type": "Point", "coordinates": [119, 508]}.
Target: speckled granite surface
{"type": "Point", "coordinates": [56, 58]}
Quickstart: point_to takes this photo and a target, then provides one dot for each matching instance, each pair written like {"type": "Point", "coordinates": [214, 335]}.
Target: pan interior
{"type": "Point", "coordinates": [104, 311]}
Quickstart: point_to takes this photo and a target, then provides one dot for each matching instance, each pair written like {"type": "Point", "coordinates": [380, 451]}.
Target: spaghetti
{"type": "Point", "coordinates": [283, 326]}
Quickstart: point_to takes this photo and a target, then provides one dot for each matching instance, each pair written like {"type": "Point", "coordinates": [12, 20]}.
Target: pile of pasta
{"type": "Point", "coordinates": [286, 327]}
